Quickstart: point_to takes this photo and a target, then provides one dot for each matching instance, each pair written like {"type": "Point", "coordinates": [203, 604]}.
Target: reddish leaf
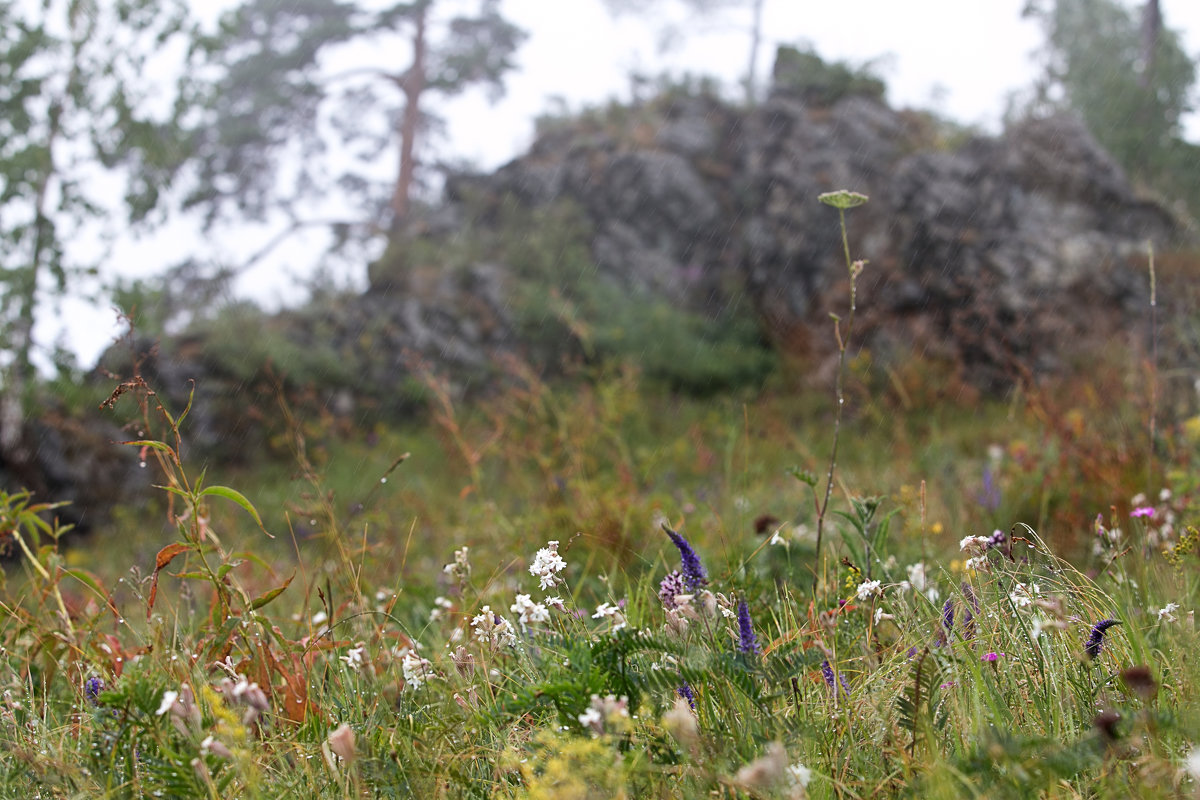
{"type": "Point", "coordinates": [160, 561]}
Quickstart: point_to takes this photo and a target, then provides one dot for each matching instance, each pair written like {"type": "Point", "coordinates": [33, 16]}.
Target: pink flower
{"type": "Point", "coordinates": [991, 656]}
{"type": "Point", "coordinates": [1142, 511]}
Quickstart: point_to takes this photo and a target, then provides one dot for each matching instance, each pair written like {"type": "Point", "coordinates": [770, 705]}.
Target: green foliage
{"type": "Point", "coordinates": [265, 101]}
{"type": "Point", "coordinates": [561, 295]}
{"type": "Point", "coordinates": [74, 104]}
{"type": "Point", "coordinates": [822, 83]}
{"type": "Point", "coordinates": [1132, 101]}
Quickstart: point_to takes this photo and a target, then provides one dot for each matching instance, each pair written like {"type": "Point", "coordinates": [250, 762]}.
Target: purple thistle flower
{"type": "Point", "coordinates": [1096, 640]}
{"type": "Point", "coordinates": [747, 641]}
{"type": "Point", "coordinates": [685, 691]}
{"type": "Point", "coordinates": [92, 689]}
{"type": "Point", "coordinates": [671, 587]}
{"type": "Point", "coordinates": [693, 571]}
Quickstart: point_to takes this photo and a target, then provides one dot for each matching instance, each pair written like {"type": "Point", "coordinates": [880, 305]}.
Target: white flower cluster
{"type": "Point", "coordinates": [1023, 596]}
{"type": "Point", "coordinates": [868, 589]}
{"type": "Point", "coordinates": [493, 628]}
{"type": "Point", "coordinates": [1167, 613]}
{"type": "Point", "coordinates": [440, 606]}
{"type": "Point", "coordinates": [354, 656]}
{"type": "Point", "coordinates": [529, 612]}
{"type": "Point", "coordinates": [417, 670]}
{"type": "Point", "coordinates": [546, 566]}
{"type": "Point", "coordinates": [460, 568]}
{"type": "Point", "coordinates": [976, 545]}
{"type": "Point", "coordinates": [606, 713]}
{"type": "Point", "coordinates": [918, 581]}
{"type": "Point", "coordinates": [611, 612]}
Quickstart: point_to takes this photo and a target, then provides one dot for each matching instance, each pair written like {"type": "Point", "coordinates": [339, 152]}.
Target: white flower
{"type": "Point", "coordinates": [1167, 613]}
{"type": "Point", "coordinates": [417, 670]}
{"type": "Point", "coordinates": [440, 606]}
{"type": "Point", "coordinates": [547, 563]}
{"type": "Point", "coordinates": [611, 612]}
{"type": "Point", "coordinates": [529, 612]}
{"type": "Point", "coordinates": [868, 589]}
{"type": "Point", "coordinates": [168, 700]}
{"type": "Point", "coordinates": [974, 544]}
{"type": "Point", "coordinates": [491, 627]}
{"type": "Point", "coordinates": [976, 564]}
{"type": "Point", "coordinates": [1022, 596]}
{"type": "Point", "coordinates": [354, 656]}
{"type": "Point", "coordinates": [1191, 764]}
{"type": "Point", "coordinates": [800, 774]}
{"type": "Point", "coordinates": [777, 539]}
{"type": "Point", "coordinates": [880, 615]}
{"type": "Point", "coordinates": [461, 567]}
{"type": "Point", "coordinates": [556, 602]}
{"type": "Point", "coordinates": [591, 718]}
{"type": "Point", "coordinates": [916, 576]}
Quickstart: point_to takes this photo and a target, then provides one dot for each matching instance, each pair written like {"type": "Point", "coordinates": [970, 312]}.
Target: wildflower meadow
{"type": "Point", "coordinates": [599, 590]}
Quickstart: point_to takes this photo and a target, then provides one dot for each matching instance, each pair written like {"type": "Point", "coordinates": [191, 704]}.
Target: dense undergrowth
{"type": "Point", "coordinates": [598, 588]}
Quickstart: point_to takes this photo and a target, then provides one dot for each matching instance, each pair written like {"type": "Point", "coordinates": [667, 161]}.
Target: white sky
{"type": "Point", "coordinates": [962, 58]}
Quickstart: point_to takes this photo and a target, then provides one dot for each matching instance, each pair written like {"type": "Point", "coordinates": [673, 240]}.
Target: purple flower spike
{"type": "Point", "coordinates": [1096, 640]}
{"type": "Point", "coordinates": [693, 571]}
{"type": "Point", "coordinates": [970, 612]}
{"type": "Point", "coordinates": [685, 691]}
{"type": "Point", "coordinates": [671, 587]}
{"type": "Point", "coordinates": [747, 641]}
{"type": "Point", "coordinates": [827, 672]}
{"type": "Point", "coordinates": [948, 615]}
{"type": "Point", "coordinates": [92, 689]}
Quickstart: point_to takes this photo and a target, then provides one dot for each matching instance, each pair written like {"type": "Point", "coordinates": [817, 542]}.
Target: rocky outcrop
{"type": "Point", "coordinates": [1003, 256]}
{"type": "Point", "coordinates": [999, 255]}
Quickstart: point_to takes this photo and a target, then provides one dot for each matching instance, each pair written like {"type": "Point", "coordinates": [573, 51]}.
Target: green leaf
{"type": "Point", "coordinates": [235, 496]}
{"type": "Point", "coordinates": [263, 599]}
{"type": "Point", "coordinates": [802, 475]}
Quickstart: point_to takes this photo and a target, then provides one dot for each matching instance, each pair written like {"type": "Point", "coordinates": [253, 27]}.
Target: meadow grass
{"type": "Point", "coordinates": [598, 589]}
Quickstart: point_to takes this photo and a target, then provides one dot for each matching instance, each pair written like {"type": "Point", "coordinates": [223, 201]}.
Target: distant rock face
{"type": "Point", "coordinates": [1001, 255]}
{"type": "Point", "coordinates": [997, 255]}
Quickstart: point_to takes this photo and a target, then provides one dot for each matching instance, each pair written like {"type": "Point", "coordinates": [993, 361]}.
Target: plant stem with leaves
{"type": "Point", "coordinates": [840, 200]}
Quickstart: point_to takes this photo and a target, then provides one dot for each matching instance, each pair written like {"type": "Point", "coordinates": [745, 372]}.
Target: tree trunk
{"type": "Point", "coordinates": [755, 43]}
{"type": "Point", "coordinates": [413, 84]}
{"type": "Point", "coordinates": [1151, 27]}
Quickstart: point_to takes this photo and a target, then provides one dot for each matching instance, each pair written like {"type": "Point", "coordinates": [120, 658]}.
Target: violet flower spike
{"type": "Point", "coordinates": [948, 615]}
{"type": "Point", "coordinates": [670, 587]}
{"type": "Point", "coordinates": [827, 672]}
{"type": "Point", "coordinates": [971, 611]}
{"type": "Point", "coordinates": [747, 641]}
{"type": "Point", "coordinates": [1096, 640]}
{"type": "Point", "coordinates": [685, 691]}
{"type": "Point", "coordinates": [693, 570]}
{"type": "Point", "coordinates": [92, 689]}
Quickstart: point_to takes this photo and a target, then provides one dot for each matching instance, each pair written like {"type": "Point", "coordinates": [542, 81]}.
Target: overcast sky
{"type": "Point", "coordinates": [963, 58]}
